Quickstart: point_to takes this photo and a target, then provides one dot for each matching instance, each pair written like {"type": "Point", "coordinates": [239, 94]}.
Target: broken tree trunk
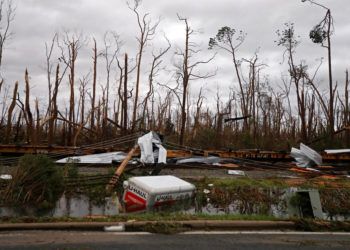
{"type": "Point", "coordinates": [9, 116]}
{"type": "Point", "coordinates": [118, 172]}
{"type": "Point", "coordinates": [30, 126]}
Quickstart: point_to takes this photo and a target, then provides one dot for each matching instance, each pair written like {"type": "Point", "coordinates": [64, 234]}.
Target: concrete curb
{"type": "Point", "coordinates": [139, 225]}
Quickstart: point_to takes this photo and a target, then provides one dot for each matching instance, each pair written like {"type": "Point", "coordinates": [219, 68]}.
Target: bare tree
{"type": "Point", "coordinates": [54, 109]}
{"type": "Point", "coordinates": [125, 95]}
{"type": "Point", "coordinates": [9, 114]}
{"type": "Point", "coordinates": [298, 73]}
{"type": "Point", "coordinates": [252, 89]}
{"type": "Point", "coordinates": [69, 55]}
{"type": "Point", "coordinates": [48, 51]}
{"type": "Point", "coordinates": [155, 68]}
{"type": "Point", "coordinates": [147, 30]}
{"type": "Point", "coordinates": [199, 104]}
{"type": "Point", "coordinates": [7, 15]}
{"type": "Point", "coordinates": [321, 34]}
{"type": "Point", "coordinates": [38, 124]}
{"type": "Point", "coordinates": [92, 121]}
{"type": "Point", "coordinates": [110, 55]}
{"type": "Point", "coordinates": [187, 71]}
{"type": "Point", "coordinates": [82, 90]}
{"type": "Point", "coordinates": [30, 122]}
{"type": "Point", "coordinates": [228, 40]}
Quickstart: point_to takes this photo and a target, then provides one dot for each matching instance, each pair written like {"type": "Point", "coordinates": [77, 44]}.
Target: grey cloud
{"type": "Point", "coordinates": [37, 20]}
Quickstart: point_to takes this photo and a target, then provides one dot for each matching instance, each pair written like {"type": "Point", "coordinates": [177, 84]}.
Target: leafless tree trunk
{"type": "Point", "coordinates": [72, 44]}
{"type": "Point", "coordinates": [321, 34]}
{"type": "Point", "coordinates": [125, 95]}
{"type": "Point", "coordinates": [297, 73]}
{"type": "Point", "coordinates": [9, 114]}
{"type": "Point", "coordinates": [53, 109]}
{"type": "Point", "coordinates": [18, 127]}
{"type": "Point", "coordinates": [49, 50]}
{"type": "Point", "coordinates": [37, 124]}
{"type": "Point", "coordinates": [92, 121]}
{"type": "Point", "coordinates": [346, 109]}
{"type": "Point", "coordinates": [199, 104]}
{"type": "Point", "coordinates": [1, 84]}
{"type": "Point", "coordinates": [82, 89]}
{"type": "Point", "coordinates": [225, 40]}
{"type": "Point", "coordinates": [98, 120]}
{"type": "Point", "coordinates": [331, 89]}
{"type": "Point", "coordinates": [186, 73]}
{"type": "Point", "coordinates": [156, 62]}
{"type": "Point", "coordinates": [109, 59]}
{"type": "Point", "coordinates": [120, 106]}
{"type": "Point", "coordinates": [30, 122]}
{"type": "Point", "coordinates": [7, 15]}
{"type": "Point", "coordinates": [147, 30]}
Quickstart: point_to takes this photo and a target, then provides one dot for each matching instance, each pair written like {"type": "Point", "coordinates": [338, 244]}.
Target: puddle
{"type": "Point", "coordinates": [78, 206]}
{"type": "Point", "coordinates": [81, 206]}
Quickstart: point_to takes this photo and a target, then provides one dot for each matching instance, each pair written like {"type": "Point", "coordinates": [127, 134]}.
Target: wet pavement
{"type": "Point", "coordinates": [193, 240]}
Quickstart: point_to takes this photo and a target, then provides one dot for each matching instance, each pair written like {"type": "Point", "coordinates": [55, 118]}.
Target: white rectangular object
{"type": "Point", "coordinates": [306, 156]}
{"type": "Point", "coordinates": [311, 154]}
{"type": "Point", "coordinates": [148, 192]}
{"type": "Point", "coordinates": [301, 159]}
{"type": "Point", "coordinates": [148, 154]}
{"type": "Point", "coordinates": [236, 172]}
{"type": "Point", "coordinates": [338, 151]}
{"type": "Point", "coordinates": [6, 177]}
{"type": "Point", "coordinates": [103, 158]}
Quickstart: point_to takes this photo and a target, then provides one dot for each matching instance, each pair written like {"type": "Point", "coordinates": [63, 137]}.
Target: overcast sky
{"type": "Point", "coordinates": [36, 22]}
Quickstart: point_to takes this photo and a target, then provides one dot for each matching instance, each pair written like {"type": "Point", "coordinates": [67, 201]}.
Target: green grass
{"type": "Point", "coordinates": [241, 182]}
{"type": "Point", "coordinates": [270, 183]}
{"type": "Point", "coordinates": [138, 217]}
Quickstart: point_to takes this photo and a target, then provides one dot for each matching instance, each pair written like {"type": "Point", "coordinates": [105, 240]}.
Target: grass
{"type": "Point", "coordinates": [138, 217]}
{"type": "Point", "coordinates": [318, 183]}
{"type": "Point", "coordinates": [243, 182]}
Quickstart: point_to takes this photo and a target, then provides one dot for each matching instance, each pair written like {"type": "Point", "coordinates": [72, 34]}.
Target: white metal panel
{"type": "Point", "coordinates": [311, 154]}
{"type": "Point", "coordinates": [104, 158]}
{"type": "Point", "coordinates": [337, 151]}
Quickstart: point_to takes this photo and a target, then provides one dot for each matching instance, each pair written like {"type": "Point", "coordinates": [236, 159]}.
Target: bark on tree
{"type": "Point", "coordinates": [125, 95]}
{"type": "Point", "coordinates": [147, 30]}
{"type": "Point", "coordinates": [94, 77]}
{"type": "Point", "coordinates": [186, 73]}
{"type": "Point", "coordinates": [30, 123]}
{"type": "Point", "coordinates": [9, 114]}
{"type": "Point", "coordinates": [7, 16]}
{"type": "Point", "coordinates": [53, 110]}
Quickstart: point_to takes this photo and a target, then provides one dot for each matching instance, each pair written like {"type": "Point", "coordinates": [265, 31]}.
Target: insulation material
{"type": "Point", "coordinates": [301, 159]}
{"type": "Point", "coordinates": [6, 177]}
{"type": "Point", "coordinates": [311, 154]}
{"type": "Point", "coordinates": [151, 148]}
{"type": "Point", "coordinates": [306, 156]}
{"type": "Point", "coordinates": [104, 158]}
{"type": "Point", "coordinates": [236, 172]}
{"type": "Point", "coordinates": [337, 151]}
{"type": "Point", "coordinates": [199, 159]}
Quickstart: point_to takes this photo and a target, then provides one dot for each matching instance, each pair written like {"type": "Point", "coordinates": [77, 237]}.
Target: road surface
{"type": "Point", "coordinates": [194, 240]}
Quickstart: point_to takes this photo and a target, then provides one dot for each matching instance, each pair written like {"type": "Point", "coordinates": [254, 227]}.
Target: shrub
{"type": "Point", "coordinates": [36, 183]}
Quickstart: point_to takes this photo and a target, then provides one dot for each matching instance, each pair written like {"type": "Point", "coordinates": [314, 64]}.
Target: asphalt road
{"type": "Point", "coordinates": [195, 240]}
